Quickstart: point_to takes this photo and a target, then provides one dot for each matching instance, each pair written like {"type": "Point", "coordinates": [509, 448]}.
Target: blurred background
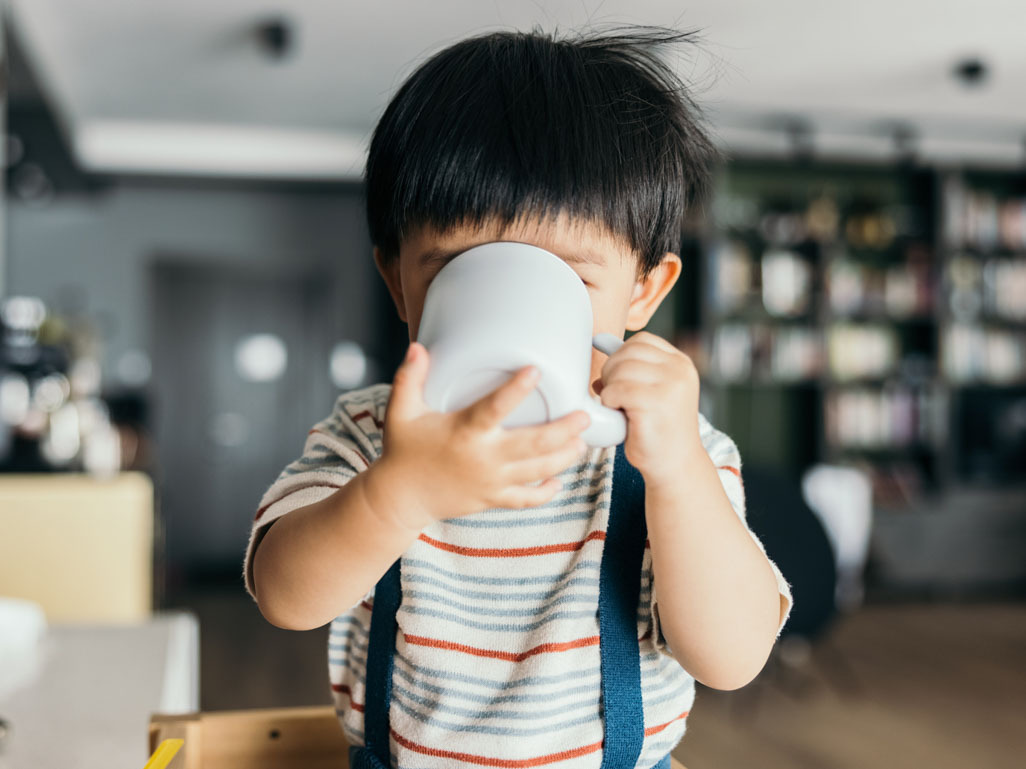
{"type": "Point", "coordinates": [186, 285]}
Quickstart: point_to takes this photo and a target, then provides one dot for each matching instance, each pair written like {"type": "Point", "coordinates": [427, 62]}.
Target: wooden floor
{"type": "Point", "coordinates": [898, 686]}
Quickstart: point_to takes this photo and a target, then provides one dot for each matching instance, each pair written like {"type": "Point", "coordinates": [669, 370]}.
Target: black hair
{"type": "Point", "coordinates": [510, 125]}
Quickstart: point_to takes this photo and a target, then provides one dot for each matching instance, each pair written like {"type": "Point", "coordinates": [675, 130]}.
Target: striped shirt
{"type": "Point", "coordinates": [497, 649]}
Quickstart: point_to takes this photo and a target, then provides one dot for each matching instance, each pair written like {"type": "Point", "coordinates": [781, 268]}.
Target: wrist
{"type": "Point", "coordinates": [393, 499]}
{"type": "Point", "coordinates": [676, 466]}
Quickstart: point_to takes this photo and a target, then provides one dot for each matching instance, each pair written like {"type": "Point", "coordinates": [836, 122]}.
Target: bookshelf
{"type": "Point", "coordinates": [875, 315]}
{"type": "Point", "coordinates": [982, 247]}
{"type": "Point", "coordinates": [818, 311]}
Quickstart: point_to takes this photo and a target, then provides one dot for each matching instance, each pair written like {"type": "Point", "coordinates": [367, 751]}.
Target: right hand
{"type": "Point", "coordinates": [438, 465]}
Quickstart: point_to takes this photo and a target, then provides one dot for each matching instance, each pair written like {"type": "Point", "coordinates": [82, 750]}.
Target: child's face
{"type": "Point", "coordinates": [620, 300]}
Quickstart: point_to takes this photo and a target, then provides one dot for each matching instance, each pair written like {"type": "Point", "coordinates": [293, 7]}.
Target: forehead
{"type": "Point", "coordinates": [582, 244]}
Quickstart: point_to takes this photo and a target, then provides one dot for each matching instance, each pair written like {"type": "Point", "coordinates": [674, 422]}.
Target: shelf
{"type": "Point", "coordinates": [911, 348]}
{"type": "Point", "coordinates": [761, 317]}
{"type": "Point", "coordinates": [1019, 384]}
{"type": "Point", "coordinates": [879, 318]}
{"type": "Point", "coordinates": [988, 321]}
{"type": "Point", "coordinates": [884, 451]}
{"type": "Point", "coordinates": [761, 381]}
{"type": "Point", "coordinates": [881, 382]}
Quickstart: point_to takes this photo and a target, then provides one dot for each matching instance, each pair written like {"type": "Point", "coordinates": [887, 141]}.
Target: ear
{"type": "Point", "coordinates": [648, 293]}
{"type": "Point", "coordinates": [393, 279]}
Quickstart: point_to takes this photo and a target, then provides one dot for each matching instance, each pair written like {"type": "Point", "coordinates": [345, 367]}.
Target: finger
{"type": "Point", "coordinates": [637, 353]}
{"type": "Point", "coordinates": [529, 496]}
{"type": "Point", "coordinates": [625, 394]}
{"type": "Point", "coordinates": [407, 398]}
{"type": "Point", "coordinates": [548, 465]}
{"type": "Point", "coordinates": [533, 440]}
{"type": "Point", "coordinates": [490, 410]}
{"type": "Point", "coordinates": [645, 371]}
{"type": "Point", "coordinates": [643, 339]}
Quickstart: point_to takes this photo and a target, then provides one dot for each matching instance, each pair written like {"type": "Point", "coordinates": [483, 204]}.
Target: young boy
{"type": "Point", "coordinates": [590, 149]}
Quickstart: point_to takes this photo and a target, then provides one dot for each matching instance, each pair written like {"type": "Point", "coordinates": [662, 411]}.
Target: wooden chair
{"type": "Point", "coordinates": [273, 738]}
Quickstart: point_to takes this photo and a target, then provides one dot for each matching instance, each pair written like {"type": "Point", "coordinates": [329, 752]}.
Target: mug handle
{"type": "Point", "coordinates": [608, 426]}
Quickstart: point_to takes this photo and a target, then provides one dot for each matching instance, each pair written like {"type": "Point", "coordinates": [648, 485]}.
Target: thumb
{"type": "Point", "coordinates": [407, 399]}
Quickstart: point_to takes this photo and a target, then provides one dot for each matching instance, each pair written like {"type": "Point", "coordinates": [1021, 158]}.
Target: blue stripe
{"type": "Point", "coordinates": [503, 627]}
{"type": "Point", "coordinates": [492, 699]}
{"type": "Point", "coordinates": [497, 683]}
{"type": "Point", "coordinates": [523, 520]}
{"type": "Point", "coordinates": [435, 705]}
{"type": "Point", "coordinates": [589, 472]}
{"type": "Point", "coordinates": [346, 646]}
{"type": "Point", "coordinates": [677, 693]}
{"type": "Point", "coordinates": [654, 751]}
{"type": "Point", "coordinates": [358, 733]}
{"type": "Point", "coordinates": [291, 472]}
{"type": "Point", "coordinates": [338, 630]}
{"type": "Point", "coordinates": [437, 723]}
{"type": "Point", "coordinates": [507, 597]}
{"type": "Point", "coordinates": [504, 596]}
{"type": "Point", "coordinates": [545, 579]}
{"type": "Point", "coordinates": [353, 629]}
{"type": "Point", "coordinates": [590, 599]}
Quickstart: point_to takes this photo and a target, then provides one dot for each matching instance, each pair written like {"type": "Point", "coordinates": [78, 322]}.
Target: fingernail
{"type": "Point", "coordinates": [409, 354]}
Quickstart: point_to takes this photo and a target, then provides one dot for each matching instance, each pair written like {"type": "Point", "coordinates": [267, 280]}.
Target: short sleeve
{"type": "Point", "coordinates": [725, 456]}
{"type": "Point", "coordinates": [335, 450]}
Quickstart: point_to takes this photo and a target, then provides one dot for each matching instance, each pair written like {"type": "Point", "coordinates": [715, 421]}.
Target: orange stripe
{"type": "Point", "coordinates": [470, 758]}
{"type": "Point", "coordinates": [562, 755]}
{"type": "Point", "coordinates": [511, 552]}
{"type": "Point", "coordinates": [730, 469]}
{"type": "Point", "coordinates": [501, 655]}
{"type": "Point", "coordinates": [343, 689]}
{"type": "Point", "coordinates": [367, 413]}
{"type": "Point", "coordinates": [656, 729]}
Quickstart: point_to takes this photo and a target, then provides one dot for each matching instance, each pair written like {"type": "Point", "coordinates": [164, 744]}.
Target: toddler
{"type": "Point", "coordinates": [508, 629]}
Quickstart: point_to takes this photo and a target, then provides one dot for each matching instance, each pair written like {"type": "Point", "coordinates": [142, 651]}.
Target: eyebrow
{"type": "Point", "coordinates": [443, 256]}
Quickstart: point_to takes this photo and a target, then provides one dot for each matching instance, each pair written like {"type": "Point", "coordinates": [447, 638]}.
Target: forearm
{"type": "Point", "coordinates": [717, 594]}
{"type": "Point", "coordinates": [319, 560]}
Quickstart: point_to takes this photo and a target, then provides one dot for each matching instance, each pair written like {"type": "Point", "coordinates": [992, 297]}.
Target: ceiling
{"type": "Point", "coordinates": [185, 87]}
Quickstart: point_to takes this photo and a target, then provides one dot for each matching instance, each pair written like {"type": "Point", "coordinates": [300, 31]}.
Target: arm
{"type": "Point", "coordinates": [321, 558]}
{"type": "Point", "coordinates": [346, 541]}
{"type": "Point", "coordinates": [719, 605]}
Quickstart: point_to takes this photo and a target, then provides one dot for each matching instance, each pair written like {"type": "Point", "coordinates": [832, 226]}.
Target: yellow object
{"type": "Point", "coordinates": [79, 546]}
{"type": "Point", "coordinates": [163, 754]}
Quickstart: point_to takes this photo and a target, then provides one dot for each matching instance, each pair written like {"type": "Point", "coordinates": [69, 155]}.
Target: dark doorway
{"type": "Point", "coordinates": [221, 438]}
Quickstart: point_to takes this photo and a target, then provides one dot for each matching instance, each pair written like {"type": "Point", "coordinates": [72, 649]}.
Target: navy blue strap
{"type": "Point", "coordinates": [619, 590]}
{"type": "Point", "coordinates": [380, 661]}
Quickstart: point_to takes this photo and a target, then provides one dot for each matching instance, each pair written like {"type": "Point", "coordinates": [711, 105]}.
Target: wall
{"type": "Point", "coordinates": [90, 254]}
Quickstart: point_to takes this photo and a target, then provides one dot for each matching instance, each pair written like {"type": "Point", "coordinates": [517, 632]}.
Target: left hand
{"type": "Point", "coordinates": [657, 387]}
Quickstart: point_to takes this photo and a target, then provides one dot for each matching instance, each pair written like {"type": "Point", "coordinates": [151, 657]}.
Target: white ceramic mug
{"type": "Point", "coordinates": [501, 306]}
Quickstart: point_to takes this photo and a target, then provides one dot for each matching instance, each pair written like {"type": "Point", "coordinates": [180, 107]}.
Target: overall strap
{"type": "Point", "coordinates": [380, 662]}
{"type": "Point", "coordinates": [619, 591]}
